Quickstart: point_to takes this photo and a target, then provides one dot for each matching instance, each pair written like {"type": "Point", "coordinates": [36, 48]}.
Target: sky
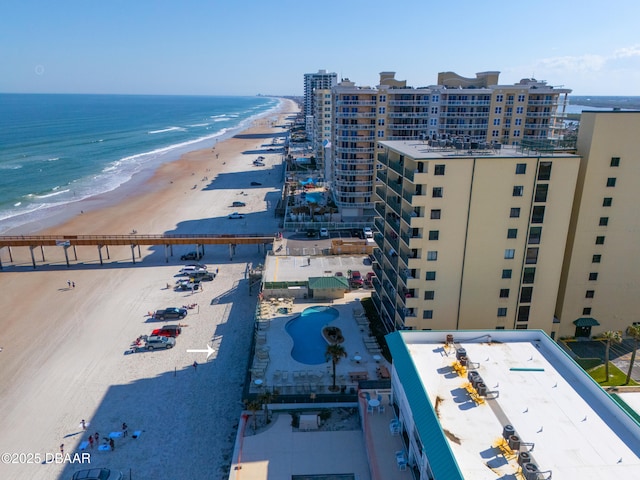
{"type": "Point", "coordinates": [249, 47]}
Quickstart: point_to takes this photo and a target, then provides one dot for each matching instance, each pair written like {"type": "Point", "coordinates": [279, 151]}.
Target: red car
{"type": "Point", "coordinates": [356, 279]}
{"type": "Point", "coordinates": [168, 331]}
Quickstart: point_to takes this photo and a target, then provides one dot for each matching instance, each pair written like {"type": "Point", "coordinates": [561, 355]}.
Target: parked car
{"type": "Point", "coordinates": [202, 276]}
{"type": "Point", "coordinates": [197, 266]}
{"type": "Point", "coordinates": [167, 331]}
{"type": "Point", "coordinates": [97, 474]}
{"type": "Point", "coordinates": [157, 341]}
{"type": "Point", "coordinates": [255, 184]}
{"type": "Point", "coordinates": [368, 233]}
{"type": "Point", "coordinates": [324, 232]}
{"type": "Point", "coordinates": [356, 279]}
{"type": "Point", "coordinates": [170, 313]}
{"type": "Point", "coordinates": [238, 204]}
{"type": "Point", "coordinates": [236, 215]}
{"type": "Point", "coordinates": [191, 269]}
{"type": "Point", "coordinates": [311, 233]}
{"type": "Point", "coordinates": [187, 286]}
{"type": "Point", "coordinates": [191, 256]}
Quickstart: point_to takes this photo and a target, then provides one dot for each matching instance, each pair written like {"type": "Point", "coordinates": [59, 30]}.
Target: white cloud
{"type": "Point", "coordinates": [626, 52]}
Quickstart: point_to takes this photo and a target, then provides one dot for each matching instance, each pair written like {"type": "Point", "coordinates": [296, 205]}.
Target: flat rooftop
{"type": "Point", "coordinates": [424, 150]}
{"type": "Point", "coordinates": [565, 421]}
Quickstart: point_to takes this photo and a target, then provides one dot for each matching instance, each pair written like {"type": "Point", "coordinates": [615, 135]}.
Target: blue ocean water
{"type": "Point", "coordinates": [57, 149]}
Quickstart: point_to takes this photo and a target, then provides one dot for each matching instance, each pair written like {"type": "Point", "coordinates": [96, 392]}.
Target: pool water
{"type": "Point", "coordinates": [314, 197]}
{"type": "Point", "coordinates": [309, 346]}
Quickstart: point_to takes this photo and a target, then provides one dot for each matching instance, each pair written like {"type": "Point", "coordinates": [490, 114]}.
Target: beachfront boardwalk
{"type": "Point", "coordinates": [133, 240]}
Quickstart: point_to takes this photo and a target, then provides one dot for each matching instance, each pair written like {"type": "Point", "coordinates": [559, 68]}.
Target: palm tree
{"type": "Point", "coordinates": [254, 406]}
{"type": "Point", "coordinates": [265, 398]}
{"type": "Point", "coordinates": [610, 336]}
{"type": "Point", "coordinates": [634, 332]}
{"type": "Point", "coordinates": [335, 352]}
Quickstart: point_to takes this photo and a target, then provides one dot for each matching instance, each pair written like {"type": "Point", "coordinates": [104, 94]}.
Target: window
{"type": "Point", "coordinates": [593, 276]}
{"type": "Point", "coordinates": [509, 253]}
{"type": "Point", "coordinates": [532, 255]}
{"type": "Point", "coordinates": [429, 294]}
{"type": "Point", "coordinates": [516, 133]}
{"type": "Point", "coordinates": [596, 259]}
{"type": "Point", "coordinates": [382, 110]}
{"type": "Point", "coordinates": [434, 234]}
{"type": "Point", "coordinates": [380, 133]}
{"type": "Point", "coordinates": [514, 213]}
{"type": "Point", "coordinates": [529, 275]}
{"type": "Point", "coordinates": [518, 190]}
{"type": "Point", "coordinates": [586, 311]}
{"type": "Point", "coordinates": [544, 171]}
{"type": "Point", "coordinates": [611, 182]}
{"type": "Point", "coordinates": [435, 214]}
{"type": "Point", "coordinates": [437, 192]}
{"type": "Point", "coordinates": [604, 221]}
{"type": "Point", "coordinates": [518, 122]}
{"type": "Point", "coordinates": [520, 99]}
{"type": "Point", "coordinates": [525, 294]}
{"type": "Point", "coordinates": [541, 192]}
{"type": "Point", "coordinates": [537, 216]}
{"type": "Point", "coordinates": [519, 110]}
{"type": "Point", "coordinates": [427, 314]}
{"type": "Point", "coordinates": [607, 201]}
{"type": "Point", "coordinates": [600, 240]}
{"type": "Point", "coordinates": [498, 110]}
{"type": "Point", "coordinates": [499, 98]}
{"type": "Point", "coordinates": [439, 170]}
{"type": "Point", "coordinates": [431, 276]}
{"type": "Point", "coordinates": [523, 313]}
{"type": "Point", "coordinates": [502, 312]}
{"type": "Point", "coordinates": [523, 326]}
{"type": "Point", "coordinates": [521, 168]}
{"type": "Point", "coordinates": [615, 162]}
{"type": "Point", "coordinates": [432, 256]}
{"type": "Point", "coordinates": [504, 293]}
{"type": "Point", "coordinates": [495, 133]}
{"type": "Point", "coordinates": [496, 121]}
{"type": "Point", "coordinates": [590, 294]}
{"type": "Point", "coordinates": [512, 233]}
{"type": "Point", "coordinates": [502, 327]}
{"type": "Point", "coordinates": [534, 235]}
{"type": "Point", "coordinates": [506, 273]}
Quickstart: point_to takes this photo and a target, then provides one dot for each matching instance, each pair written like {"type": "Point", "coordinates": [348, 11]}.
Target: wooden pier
{"type": "Point", "coordinates": [133, 240]}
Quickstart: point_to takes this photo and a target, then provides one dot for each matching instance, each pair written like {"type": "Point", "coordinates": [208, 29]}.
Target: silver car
{"type": "Point", "coordinates": [158, 341]}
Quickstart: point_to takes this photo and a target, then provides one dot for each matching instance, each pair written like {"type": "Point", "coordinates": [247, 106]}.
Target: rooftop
{"type": "Point", "coordinates": [566, 423]}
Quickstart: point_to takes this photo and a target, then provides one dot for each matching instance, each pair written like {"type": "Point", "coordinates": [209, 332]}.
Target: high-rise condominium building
{"type": "Point", "coordinates": [470, 239]}
{"type": "Point", "coordinates": [458, 109]}
{"type": "Point", "coordinates": [312, 82]}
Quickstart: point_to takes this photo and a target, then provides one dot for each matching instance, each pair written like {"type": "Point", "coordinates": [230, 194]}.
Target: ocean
{"type": "Point", "coordinates": [57, 149]}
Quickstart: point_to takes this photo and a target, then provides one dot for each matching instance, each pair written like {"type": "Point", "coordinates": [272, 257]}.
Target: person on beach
{"type": "Point", "coordinates": [73, 284]}
{"type": "Point", "coordinates": [62, 448]}
{"type": "Point", "coordinates": [90, 441]}
{"type": "Point", "coordinates": [125, 429]}
{"type": "Point", "coordinates": [69, 283]}
{"type": "Point", "coordinates": [97, 437]}
{"type": "Point", "coordinates": [83, 423]}
{"type": "Point", "coordinates": [112, 444]}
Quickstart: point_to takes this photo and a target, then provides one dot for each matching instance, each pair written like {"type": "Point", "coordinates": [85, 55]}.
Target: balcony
{"type": "Point", "coordinates": [395, 206]}
{"type": "Point", "coordinates": [396, 187]}
{"type": "Point", "coordinates": [380, 210]}
{"type": "Point", "coordinates": [381, 192]}
{"type": "Point", "coordinates": [408, 115]}
{"type": "Point", "coordinates": [409, 218]}
{"type": "Point", "coordinates": [366, 150]}
{"type": "Point", "coordinates": [355, 114]}
{"type": "Point", "coordinates": [553, 101]}
{"type": "Point", "coordinates": [364, 103]}
{"type": "Point", "coordinates": [397, 167]}
{"type": "Point", "coordinates": [408, 103]}
{"type": "Point", "coordinates": [381, 176]}
{"type": "Point", "coordinates": [355, 138]}
{"type": "Point", "coordinates": [421, 127]}
{"type": "Point", "coordinates": [341, 127]}
{"type": "Point", "coordinates": [393, 240]}
{"type": "Point", "coordinates": [465, 103]}
{"type": "Point", "coordinates": [352, 183]}
{"type": "Point", "coordinates": [393, 279]}
{"type": "Point", "coordinates": [416, 177]}
{"type": "Point", "coordinates": [379, 224]}
{"type": "Point", "coordinates": [394, 223]}
{"type": "Point", "coordinates": [355, 161]}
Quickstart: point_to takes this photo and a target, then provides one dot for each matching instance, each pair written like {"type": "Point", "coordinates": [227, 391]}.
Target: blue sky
{"type": "Point", "coordinates": [246, 47]}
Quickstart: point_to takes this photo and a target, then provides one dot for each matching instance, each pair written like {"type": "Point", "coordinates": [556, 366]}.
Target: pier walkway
{"type": "Point", "coordinates": [133, 240]}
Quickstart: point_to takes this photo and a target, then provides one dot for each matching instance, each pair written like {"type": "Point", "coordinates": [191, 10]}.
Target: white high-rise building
{"type": "Point", "coordinates": [312, 82]}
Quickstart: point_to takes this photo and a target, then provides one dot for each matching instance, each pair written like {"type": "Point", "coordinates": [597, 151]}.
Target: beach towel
{"type": "Point", "coordinates": [104, 447]}
{"type": "Point", "coordinates": [115, 434]}
{"type": "Point", "coordinates": [137, 433]}
{"type": "Point", "coordinates": [84, 445]}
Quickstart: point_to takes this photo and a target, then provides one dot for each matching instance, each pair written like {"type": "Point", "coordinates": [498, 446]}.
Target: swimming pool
{"type": "Point", "coordinates": [309, 346]}
{"type": "Point", "coordinates": [314, 197]}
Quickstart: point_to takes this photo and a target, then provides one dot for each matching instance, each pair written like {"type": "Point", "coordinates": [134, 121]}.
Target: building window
{"type": "Point", "coordinates": [499, 98]}
{"type": "Point", "coordinates": [586, 311]}
{"type": "Point", "coordinates": [521, 168]}
{"type": "Point", "coordinates": [604, 221]}
{"type": "Point", "coordinates": [516, 133]}
{"type": "Point", "coordinates": [512, 233]}
{"type": "Point", "coordinates": [600, 240]}
{"type": "Point", "coordinates": [590, 294]}
{"type": "Point", "coordinates": [439, 170]}
{"type": "Point", "coordinates": [506, 273]}
{"type": "Point", "coordinates": [593, 276]}
{"type": "Point", "coordinates": [495, 133]}
{"type": "Point", "coordinates": [509, 253]}
{"type": "Point", "coordinates": [437, 192]}
{"type": "Point", "coordinates": [615, 162]}
{"type": "Point", "coordinates": [504, 293]}
{"type": "Point", "coordinates": [518, 190]}
{"type": "Point", "coordinates": [502, 312]}
{"type": "Point", "coordinates": [611, 182]}
{"type": "Point", "coordinates": [607, 201]}
{"type": "Point", "coordinates": [534, 235]}
{"type": "Point", "coordinates": [434, 234]}
{"type": "Point", "coordinates": [537, 216]}
{"type": "Point", "coordinates": [532, 256]}
{"type": "Point", "coordinates": [544, 171]}
{"type": "Point", "coordinates": [541, 192]}
{"type": "Point", "coordinates": [529, 275]}
{"type": "Point", "coordinates": [520, 99]}
{"type": "Point", "coordinates": [514, 213]}
{"type": "Point", "coordinates": [496, 121]}
{"type": "Point", "coordinates": [523, 326]}
{"type": "Point", "coordinates": [431, 276]}
{"type": "Point", "coordinates": [427, 314]}
{"type": "Point", "coordinates": [498, 110]}
{"type": "Point", "coordinates": [523, 313]}
{"type": "Point", "coordinates": [518, 121]}
{"type": "Point", "coordinates": [382, 110]}
{"type": "Point", "coordinates": [429, 294]}
{"type": "Point", "coordinates": [435, 214]}
{"type": "Point", "coordinates": [432, 256]}
{"type": "Point", "coordinates": [596, 259]}
{"type": "Point", "coordinates": [502, 327]}
{"type": "Point", "coordinates": [525, 294]}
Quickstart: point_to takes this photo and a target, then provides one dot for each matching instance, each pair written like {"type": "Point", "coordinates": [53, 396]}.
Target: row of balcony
{"type": "Point", "coordinates": [352, 183]}
{"type": "Point", "coordinates": [408, 115]}
{"type": "Point", "coordinates": [395, 103]}
{"type": "Point", "coordinates": [359, 126]}
{"type": "Point", "coordinates": [355, 150]}
{"type": "Point", "coordinates": [355, 138]}
{"type": "Point", "coordinates": [364, 103]}
{"type": "Point", "coordinates": [355, 114]}
{"type": "Point", "coordinates": [408, 126]}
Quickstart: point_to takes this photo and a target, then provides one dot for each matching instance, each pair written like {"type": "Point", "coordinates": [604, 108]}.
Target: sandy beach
{"type": "Point", "coordinates": [62, 357]}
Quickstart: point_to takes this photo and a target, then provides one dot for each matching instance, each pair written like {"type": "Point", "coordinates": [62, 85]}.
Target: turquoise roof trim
{"type": "Point", "coordinates": [441, 458]}
{"type": "Point", "coordinates": [318, 283]}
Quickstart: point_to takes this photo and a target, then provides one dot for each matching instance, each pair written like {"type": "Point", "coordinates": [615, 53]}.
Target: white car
{"type": "Point", "coordinates": [324, 232]}
{"type": "Point", "coordinates": [368, 233]}
{"type": "Point", "coordinates": [236, 215]}
{"type": "Point", "coordinates": [189, 269]}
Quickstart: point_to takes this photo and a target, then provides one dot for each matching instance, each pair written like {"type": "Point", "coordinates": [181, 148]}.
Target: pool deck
{"type": "Point", "coordinates": [274, 345]}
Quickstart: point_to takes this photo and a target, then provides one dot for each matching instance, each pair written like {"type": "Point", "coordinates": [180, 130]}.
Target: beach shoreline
{"type": "Point", "coordinates": [66, 329]}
